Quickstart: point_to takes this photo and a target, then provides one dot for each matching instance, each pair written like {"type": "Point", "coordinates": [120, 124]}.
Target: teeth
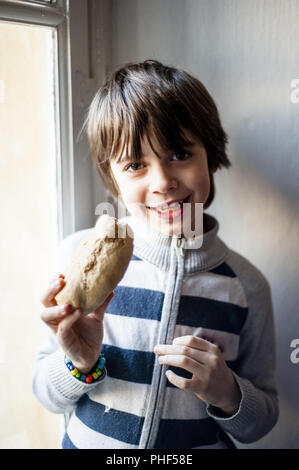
{"type": "Point", "coordinates": [174, 205]}
{"type": "Point", "coordinates": [171, 206]}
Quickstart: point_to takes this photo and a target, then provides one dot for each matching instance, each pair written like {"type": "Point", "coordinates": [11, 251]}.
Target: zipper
{"type": "Point", "coordinates": [177, 247]}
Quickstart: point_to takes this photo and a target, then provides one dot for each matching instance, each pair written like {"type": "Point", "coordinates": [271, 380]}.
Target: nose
{"type": "Point", "coordinates": [162, 179]}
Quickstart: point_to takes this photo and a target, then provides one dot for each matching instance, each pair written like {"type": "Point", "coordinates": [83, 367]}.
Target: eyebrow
{"type": "Point", "coordinates": [126, 158]}
{"type": "Point", "coordinates": [122, 159]}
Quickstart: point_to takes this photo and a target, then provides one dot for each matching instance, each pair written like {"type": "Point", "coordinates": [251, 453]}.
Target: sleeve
{"type": "Point", "coordinates": [254, 371]}
{"type": "Point", "coordinates": [52, 383]}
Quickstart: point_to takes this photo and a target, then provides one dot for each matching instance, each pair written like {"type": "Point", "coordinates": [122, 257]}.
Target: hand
{"type": "Point", "coordinates": [212, 381]}
{"type": "Point", "coordinates": [79, 336]}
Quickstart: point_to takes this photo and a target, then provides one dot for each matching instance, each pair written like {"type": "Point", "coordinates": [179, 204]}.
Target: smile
{"type": "Point", "coordinates": [169, 211]}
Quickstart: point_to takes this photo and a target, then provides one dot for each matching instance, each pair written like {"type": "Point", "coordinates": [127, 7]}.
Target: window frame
{"type": "Point", "coordinates": [55, 15]}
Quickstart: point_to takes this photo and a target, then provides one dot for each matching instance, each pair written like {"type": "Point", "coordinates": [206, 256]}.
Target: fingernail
{"type": "Point", "coordinates": [63, 309]}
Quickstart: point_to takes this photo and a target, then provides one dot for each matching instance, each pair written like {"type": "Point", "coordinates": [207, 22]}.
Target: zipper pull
{"type": "Point", "coordinates": [178, 241]}
{"type": "Point", "coordinates": [179, 247]}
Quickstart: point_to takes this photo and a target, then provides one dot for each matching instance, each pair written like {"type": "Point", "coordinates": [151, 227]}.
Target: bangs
{"type": "Point", "coordinates": [146, 110]}
{"type": "Point", "coordinates": [171, 140]}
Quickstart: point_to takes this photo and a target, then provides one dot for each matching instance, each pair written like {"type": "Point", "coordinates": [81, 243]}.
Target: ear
{"type": "Point", "coordinates": [213, 170]}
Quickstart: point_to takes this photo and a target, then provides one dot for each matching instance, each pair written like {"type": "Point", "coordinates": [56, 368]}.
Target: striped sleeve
{"type": "Point", "coordinates": [254, 369]}
{"type": "Point", "coordinates": [52, 384]}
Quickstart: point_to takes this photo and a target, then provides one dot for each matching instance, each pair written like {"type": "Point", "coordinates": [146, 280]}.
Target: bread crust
{"type": "Point", "coordinates": [99, 263]}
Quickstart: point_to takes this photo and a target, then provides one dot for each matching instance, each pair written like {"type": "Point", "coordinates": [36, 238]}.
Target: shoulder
{"type": "Point", "coordinates": [67, 247]}
{"type": "Point", "coordinates": [250, 276]}
{"type": "Point", "coordinates": [255, 286]}
{"type": "Point", "coordinates": [257, 290]}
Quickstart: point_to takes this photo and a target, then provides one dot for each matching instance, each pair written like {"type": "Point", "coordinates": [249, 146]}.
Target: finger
{"type": "Point", "coordinates": [172, 349]}
{"type": "Point", "coordinates": [66, 324]}
{"type": "Point", "coordinates": [196, 354]}
{"type": "Point", "coordinates": [56, 276]}
{"type": "Point", "coordinates": [48, 298]}
{"type": "Point", "coordinates": [195, 342]}
{"type": "Point", "coordinates": [178, 381]}
{"type": "Point", "coordinates": [99, 312]}
{"type": "Point", "coordinates": [182, 361]}
{"type": "Point", "coordinates": [54, 314]}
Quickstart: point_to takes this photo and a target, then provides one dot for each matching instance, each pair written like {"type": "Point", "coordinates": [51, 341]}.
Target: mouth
{"type": "Point", "coordinates": [173, 210]}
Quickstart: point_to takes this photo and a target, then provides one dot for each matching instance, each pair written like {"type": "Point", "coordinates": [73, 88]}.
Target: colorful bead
{"type": "Point", "coordinates": [93, 376]}
{"type": "Point", "coordinates": [101, 362]}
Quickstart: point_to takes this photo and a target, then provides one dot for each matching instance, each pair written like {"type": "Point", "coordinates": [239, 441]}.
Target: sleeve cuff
{"type": "Point", "coordinates": [64, 382]}
{"type": "Point", "coordinates": [243, 415]}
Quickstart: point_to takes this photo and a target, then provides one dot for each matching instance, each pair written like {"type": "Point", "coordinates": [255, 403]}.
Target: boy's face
{"type": "Point", "coordinates": [154, 181]}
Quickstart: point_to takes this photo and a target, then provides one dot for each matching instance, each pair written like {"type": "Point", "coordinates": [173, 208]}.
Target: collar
{"type": "Point", "coordinates": [154, 247]}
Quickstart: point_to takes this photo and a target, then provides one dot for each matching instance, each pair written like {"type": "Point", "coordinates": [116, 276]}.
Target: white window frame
{"type": "Point", "coordinates": [56, 15]}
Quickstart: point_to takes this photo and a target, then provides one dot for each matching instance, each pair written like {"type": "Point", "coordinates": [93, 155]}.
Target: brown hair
{"type": "Point", "coordinates": [148, 98]}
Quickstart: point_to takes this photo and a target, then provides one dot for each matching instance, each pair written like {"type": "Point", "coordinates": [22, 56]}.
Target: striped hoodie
{"type": "Point", "coordinates": [168, 290]}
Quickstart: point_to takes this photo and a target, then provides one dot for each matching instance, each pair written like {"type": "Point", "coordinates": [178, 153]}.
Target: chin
{"type": "Point", "coordinates": [169, 229]}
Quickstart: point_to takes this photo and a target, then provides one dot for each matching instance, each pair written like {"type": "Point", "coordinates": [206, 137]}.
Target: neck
{"type": "Point", "coordinates": [155, 248]}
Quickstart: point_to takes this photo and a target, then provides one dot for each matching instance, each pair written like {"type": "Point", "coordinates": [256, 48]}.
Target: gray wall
{"type": "Point", "coordinates": [246, 53]}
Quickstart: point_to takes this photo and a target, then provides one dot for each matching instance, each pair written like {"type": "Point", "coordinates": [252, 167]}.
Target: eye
{"type": "Point", "coordinates": [183, 155]}
{"type": "Point", "coordinates": [132, 167]}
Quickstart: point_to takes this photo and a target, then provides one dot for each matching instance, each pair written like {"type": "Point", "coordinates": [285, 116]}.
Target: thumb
{"type": "Point", "coordinates": [99, 312]}
{"type": "Point", "coordinates": [109, 298]}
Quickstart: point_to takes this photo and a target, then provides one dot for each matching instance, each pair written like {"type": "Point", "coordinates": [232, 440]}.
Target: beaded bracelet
{"type": "Point", "coordinates": [97, 371]}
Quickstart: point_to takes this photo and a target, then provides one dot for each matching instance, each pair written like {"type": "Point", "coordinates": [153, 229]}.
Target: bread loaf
{"type": "Point", "coordinates": [99, 263]}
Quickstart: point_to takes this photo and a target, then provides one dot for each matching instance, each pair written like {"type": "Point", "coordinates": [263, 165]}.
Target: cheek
{"type": "Point", "coordinates": [199, 183]}
{"type": "Point", "coordinates": [125, 188]}
{"type": "Point", "coordinates": [133, 197]}
{"type": "Point", "coordinates": [132, 193]}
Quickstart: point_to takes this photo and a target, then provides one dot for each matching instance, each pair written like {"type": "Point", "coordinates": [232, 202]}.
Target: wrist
{"type": "Point", "coordinates": [232, 406]}
{"type": "Point", "coordinates": [230, 410]}
{"type": "Point", "coordinates": [96, 373]}
{"type": "Point", "coordinates": [83, 368]}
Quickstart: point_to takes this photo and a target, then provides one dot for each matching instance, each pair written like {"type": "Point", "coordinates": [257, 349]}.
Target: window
{"type": "Point", "coordinates": [34, 133]}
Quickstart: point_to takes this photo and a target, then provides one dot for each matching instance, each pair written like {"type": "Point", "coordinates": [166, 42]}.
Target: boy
{"type": "Point", "coordinates": [189, 334]}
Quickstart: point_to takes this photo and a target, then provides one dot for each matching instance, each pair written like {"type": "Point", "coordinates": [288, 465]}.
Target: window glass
{"type": "Point", "coordinates": [28, 218]}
